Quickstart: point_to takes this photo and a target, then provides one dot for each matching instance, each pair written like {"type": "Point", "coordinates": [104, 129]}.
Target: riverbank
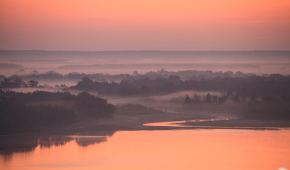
{"type": "Point", "coordinates": [140, 122]}
{"type": "Point", "coordinates": [131, 123]}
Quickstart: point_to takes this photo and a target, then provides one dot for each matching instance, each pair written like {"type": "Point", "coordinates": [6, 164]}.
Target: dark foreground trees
{"type": "Point", "coordinates": [65, 109]}
{"type": "Point", "coordinates": [90, 106]}
{"type": "Point", "coordinates": [16, 116]}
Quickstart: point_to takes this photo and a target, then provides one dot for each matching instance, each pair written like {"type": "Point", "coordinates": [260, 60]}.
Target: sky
{"type": "Point", "coordinates": [174, 25]}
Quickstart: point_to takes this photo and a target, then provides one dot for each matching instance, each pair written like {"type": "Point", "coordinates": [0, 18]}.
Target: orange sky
{"type": "Point", "coordinates": [145, 24]}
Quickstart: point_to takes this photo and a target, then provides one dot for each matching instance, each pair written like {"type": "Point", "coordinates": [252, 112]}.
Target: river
{"type": "Point", "coordinates": [218, 149]}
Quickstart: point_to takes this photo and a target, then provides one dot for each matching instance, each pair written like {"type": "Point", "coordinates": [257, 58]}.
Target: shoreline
{"type": "Point", "coordinates": [136, 123]}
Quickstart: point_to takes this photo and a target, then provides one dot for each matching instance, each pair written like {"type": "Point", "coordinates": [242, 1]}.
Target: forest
{"type": "Point", "coordinates": [184, 75]}
{"type": "Point", "coordinates": [257, 97]}
{"type": "Point", "coordinates": [161, 82]}
{"type": "Point", "coordinates": [253, 86]}
{"type": "Point", "coordinates": [27, 111]}
{"type": "Point", "coordinates": [256, 108]}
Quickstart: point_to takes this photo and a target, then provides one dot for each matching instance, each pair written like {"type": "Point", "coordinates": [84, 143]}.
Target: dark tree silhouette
{"type": "Point", "coordinates": [187, 99]}
{"type": "Point", "coordinates": [208, 98]}
{"type": "Point", "coordinates": [17, 116]}
{"type": "Point", "coordinates": [33, 83]}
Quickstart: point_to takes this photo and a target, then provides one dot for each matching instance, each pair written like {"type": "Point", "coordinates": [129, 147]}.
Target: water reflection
{"type": "Point", "coordinates": [89, 140]}
{"type": "Point", "coordinates": [170, 149]}
{"type": "Point", "coordinates": [27, 143]}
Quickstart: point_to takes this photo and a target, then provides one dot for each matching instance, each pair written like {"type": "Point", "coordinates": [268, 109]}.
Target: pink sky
{"type": "Point", "coordinates": [145, 25]}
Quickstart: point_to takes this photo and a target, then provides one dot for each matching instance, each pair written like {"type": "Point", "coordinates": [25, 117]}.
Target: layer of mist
{"type": "Point", "coordinates": [116, 62]}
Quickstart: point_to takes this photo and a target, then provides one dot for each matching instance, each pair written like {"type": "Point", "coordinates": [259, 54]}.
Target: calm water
{"type": "Point", "coordinates": [180, 149]}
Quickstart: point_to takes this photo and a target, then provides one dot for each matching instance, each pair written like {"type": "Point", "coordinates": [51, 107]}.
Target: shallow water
{"type": "Point", "coordinates": [180, 123]}
{"type": "Point", "coordinates": [172, 149]}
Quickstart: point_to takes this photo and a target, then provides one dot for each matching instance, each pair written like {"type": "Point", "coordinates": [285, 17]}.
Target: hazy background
{"type": "Point", "coordinates": [122, 36]}
{"type": "Point", "coordinates": [97, 25]}
{"type": "Point", "coordinates": [120, 62]}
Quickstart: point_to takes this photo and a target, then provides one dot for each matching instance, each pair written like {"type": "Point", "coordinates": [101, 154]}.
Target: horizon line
{"type": "Point", "coordinates": [152, 50]}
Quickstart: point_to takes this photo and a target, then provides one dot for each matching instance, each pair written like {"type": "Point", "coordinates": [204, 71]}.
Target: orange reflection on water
{"type": "Point", "coordinates": [185, 149]}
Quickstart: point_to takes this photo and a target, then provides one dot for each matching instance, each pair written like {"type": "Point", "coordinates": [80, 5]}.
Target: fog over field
{"type": "Point", "coordinates": [144, 85]}
{"type": "Point", "coordinates": [117, 62]}
{"type": "Point", "coordinates": [157, 79]}
{"type": "Point", "coordinates": [59, 99]}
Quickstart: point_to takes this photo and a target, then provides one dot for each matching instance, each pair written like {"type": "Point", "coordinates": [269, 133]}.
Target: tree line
{"type": "Point", "coordinates": [17, 113]}
{"type": "Point", "coordinates": [253, 86]}
{"type": "Point", "coordinates": [184, 75]}
{"type": "Point", "coordinates": [260, 108]}
{"type": "Point", "coordinates": [16, 82]}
